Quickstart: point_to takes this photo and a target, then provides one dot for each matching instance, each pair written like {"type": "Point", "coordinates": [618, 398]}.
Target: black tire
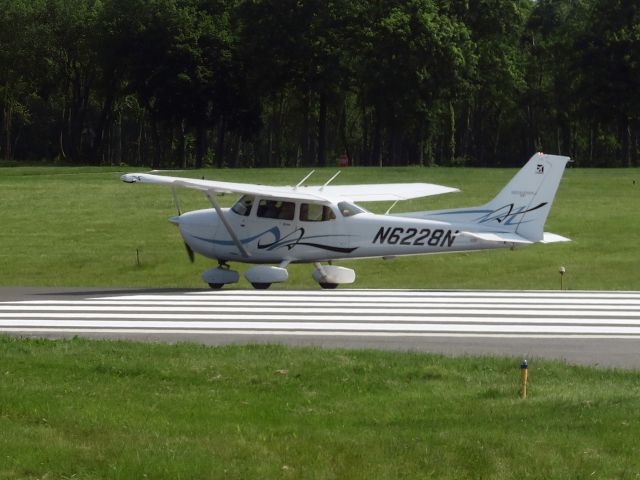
{"type": "Point", "coordinates": [329, 286]}
{"type": "Point", "coordinates": [216, 286]}
{"type": "Point", "coordinates": [261, 286]}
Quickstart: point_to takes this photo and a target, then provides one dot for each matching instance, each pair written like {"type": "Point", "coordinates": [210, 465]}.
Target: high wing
{"type": "Point", "coordinates": [221, 187]}
{"type": "Point", "coordinates": [383, 191]}
{"type": "Point", "coordinates": [325, 194]}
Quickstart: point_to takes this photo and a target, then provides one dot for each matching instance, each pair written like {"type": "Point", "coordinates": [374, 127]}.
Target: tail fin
{"type": "Point", "coordinates": [523, 205]}
{"type": "Point", "coordinates": [518, 213]}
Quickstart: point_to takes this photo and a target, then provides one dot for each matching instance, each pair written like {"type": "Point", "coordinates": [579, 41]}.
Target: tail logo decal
{"type": "Point", "coordinates": [540, 169]}
{"type": "Point", "coordinates": [505, 215]}
{"type": "Point", "coordinates": [508, 213]}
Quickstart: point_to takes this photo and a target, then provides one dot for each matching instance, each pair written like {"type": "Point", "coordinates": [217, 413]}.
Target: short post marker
{"type": "Point", "coordinates": [524, 368]}
{"type": "Point", "coordinates": [562, 272]}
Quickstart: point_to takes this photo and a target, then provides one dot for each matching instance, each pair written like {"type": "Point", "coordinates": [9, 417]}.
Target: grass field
{"type": "Point", "coordinates": [86, 410]}
{"type": "Point", "coordinates": [83, 227]}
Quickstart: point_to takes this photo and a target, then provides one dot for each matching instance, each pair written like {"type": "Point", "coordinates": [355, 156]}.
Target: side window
{"type": "Point", "coordinates": [314, 212]}
{"type": "Point", "coordinates": [276, 209]}
{"type": "Point", "coordinates": [349, 209]}
{"type": "Point", "coordinates": [243, 206]}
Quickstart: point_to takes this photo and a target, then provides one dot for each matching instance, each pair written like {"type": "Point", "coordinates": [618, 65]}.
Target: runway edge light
{"type": "Point", "coordinates": [524, 369]}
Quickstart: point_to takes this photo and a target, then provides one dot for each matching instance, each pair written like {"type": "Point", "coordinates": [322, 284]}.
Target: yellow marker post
{"type": "Point", "coordinates": [524, 369]}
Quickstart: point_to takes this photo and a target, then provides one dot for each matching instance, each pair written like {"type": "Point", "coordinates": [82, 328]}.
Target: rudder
{"type": "Point", "coordinates": [524, 204]}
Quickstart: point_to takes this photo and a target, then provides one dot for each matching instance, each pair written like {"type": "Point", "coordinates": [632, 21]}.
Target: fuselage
{"type": "Point", "coordinates": [333, 232]}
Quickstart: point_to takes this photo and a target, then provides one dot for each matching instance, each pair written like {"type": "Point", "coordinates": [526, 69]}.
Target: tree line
{"type": "Point", "coordinates": [191, 83]}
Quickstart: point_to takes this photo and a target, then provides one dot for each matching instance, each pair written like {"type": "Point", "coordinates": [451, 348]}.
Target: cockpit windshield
{"type": "Point", "coordinates": [243, 206]}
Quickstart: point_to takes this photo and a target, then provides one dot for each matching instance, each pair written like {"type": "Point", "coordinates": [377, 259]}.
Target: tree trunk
{"type": "Point", "coordinates": [235, 155]}
{"type": "Point", "coordinates": [626, 141]}
{"type": "Point", "coordinates": [201, 144]}
{"type": "Point", "coordinates": [452, 138]}
{"type": "Point", "coordinates": [306, 130]}
{"type": "Point", "coordinates": [220, 143]}
{"type": "Point", "coordinates": [322, 131]}
{"type": "Point", "coordinates": [7, 123]}
{"type": "Point", "coordinates": [376, 150]}
{"type": "Point", "coordinates": [157, 152]}
{"type": "Point", "coordinates": [103, 125]}
{"type": "Point", "coordinates": [343, 132]}
{"type": "Point", "coordinates": [182, 144]}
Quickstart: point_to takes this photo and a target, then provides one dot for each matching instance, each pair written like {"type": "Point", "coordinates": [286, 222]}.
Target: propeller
{"type": "Point", "coordinates": [189, 252]}
{"type": "Point", "coordinates": [176, 202]}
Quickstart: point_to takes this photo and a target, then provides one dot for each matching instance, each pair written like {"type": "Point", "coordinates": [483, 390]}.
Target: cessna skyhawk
{"type": "Point", "coordinates": [274, 226]}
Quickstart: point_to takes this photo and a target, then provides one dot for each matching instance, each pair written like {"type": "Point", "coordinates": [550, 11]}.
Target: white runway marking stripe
{"type": "Point", "coordinates": [151, 325]}
{"type": "Point", "coordinates": [425, 312]}
{"type": "Point", "coordinates": [385, 296]}
{"type": "Point", "coordinates": [164, 304]}
{"type": "Point", "coordinates": [354, 312]}
{"type": "Point", "coordinates": [184, 319]}
{"type": "Point", "coordinates": [419, 293]}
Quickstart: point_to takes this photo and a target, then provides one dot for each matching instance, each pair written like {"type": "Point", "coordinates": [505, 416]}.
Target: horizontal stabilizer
{"type": "Point", "coordinates": [553, 238]}
{"type": "Point", "coordinates": [499, 237]}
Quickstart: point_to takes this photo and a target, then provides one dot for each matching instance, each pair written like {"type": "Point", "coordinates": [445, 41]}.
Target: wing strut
{"type": "Point", "coordinates": [212, 198]}
{"type": "Point", "coordinates": [389, 209]}
{"type": "Point", "coordinates": [176, 200]}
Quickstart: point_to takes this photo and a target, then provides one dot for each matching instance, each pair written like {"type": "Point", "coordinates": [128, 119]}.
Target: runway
{"type": "Point", "coordinates": [596, 328]}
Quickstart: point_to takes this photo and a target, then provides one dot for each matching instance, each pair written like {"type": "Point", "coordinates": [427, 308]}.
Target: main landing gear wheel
{"type": "Point", "coordinates": [330, 276]}
{"type": "Point", "coordinates": [218, 277]}
{"type": "Point", "coordinates": [261, 286]}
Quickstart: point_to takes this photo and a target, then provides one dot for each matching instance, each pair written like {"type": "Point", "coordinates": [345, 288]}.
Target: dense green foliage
{"type": "Point", "coordinates": [115, 410]}
{"type": "Point", "coordinates": [298, 82]}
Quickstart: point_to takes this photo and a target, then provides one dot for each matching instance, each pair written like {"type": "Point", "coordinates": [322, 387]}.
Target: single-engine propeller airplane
{"type": "Point", "coordinates": [275, 226]}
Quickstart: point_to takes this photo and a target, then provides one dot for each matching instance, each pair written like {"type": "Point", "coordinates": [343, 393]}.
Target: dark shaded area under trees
{"type": "Point", "coordinates": [189, 83]}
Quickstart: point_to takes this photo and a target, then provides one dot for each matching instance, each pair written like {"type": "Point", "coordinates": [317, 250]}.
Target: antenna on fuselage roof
{"type": "Point", "coordinates": [304, 179]}
{"type": "Point", "coordinates": [330, 180]}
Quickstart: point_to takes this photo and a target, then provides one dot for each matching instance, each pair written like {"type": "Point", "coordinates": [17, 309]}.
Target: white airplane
{"type": "Point", "coordinates": [272, 226]}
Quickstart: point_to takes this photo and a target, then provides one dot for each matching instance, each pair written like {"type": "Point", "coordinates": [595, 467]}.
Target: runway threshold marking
{"type": "Point", "coordinates": [344, 312]}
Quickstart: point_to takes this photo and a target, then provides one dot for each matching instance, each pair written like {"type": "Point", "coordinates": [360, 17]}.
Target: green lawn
{"type": "Point", "coordinates": [84, 409]}
{"type": "Point", "coordinates": [83, 227]}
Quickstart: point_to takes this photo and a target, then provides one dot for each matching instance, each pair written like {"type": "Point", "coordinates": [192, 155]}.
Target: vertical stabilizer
{"type": "Point", "coordinates": [521, 208]}
{"type": "Point", "coordinates": [523, 205]}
